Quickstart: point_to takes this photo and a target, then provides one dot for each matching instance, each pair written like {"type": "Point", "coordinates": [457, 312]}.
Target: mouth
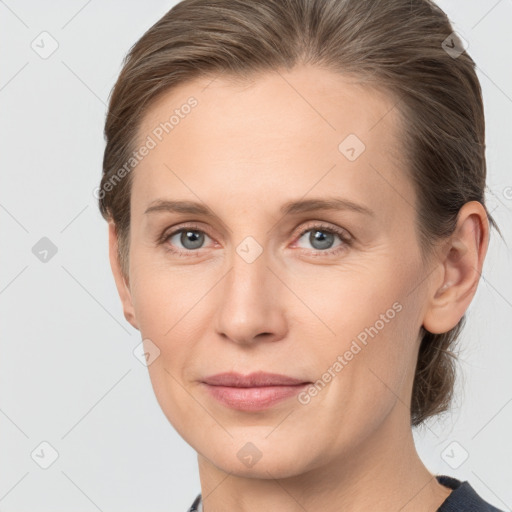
{"type": "Point", "coordinates": [254, 392]}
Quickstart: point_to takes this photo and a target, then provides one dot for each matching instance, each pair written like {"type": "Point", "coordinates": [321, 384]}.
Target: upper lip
{"type": "Point", "coordinates": [255, 379]}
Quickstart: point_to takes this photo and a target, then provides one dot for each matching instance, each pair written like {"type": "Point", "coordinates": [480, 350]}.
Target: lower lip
{"type": "Point", "coordinates": [253, 399]}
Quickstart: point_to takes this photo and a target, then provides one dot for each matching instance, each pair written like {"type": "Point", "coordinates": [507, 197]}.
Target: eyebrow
{"type": "Point", "coordinates": [330, 203]}
{"type": "Point", "coordinates": [289, 208]}
{"type": "Point", "coordinates": [164, 205]}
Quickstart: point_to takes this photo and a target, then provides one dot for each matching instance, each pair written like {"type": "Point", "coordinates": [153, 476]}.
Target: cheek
{"type": "Point", "coordinates": [166, 315]}
{"type": "Point", "coordinates": [170, 309]}
{"type": "Point", "coordinates": [175, 401]}
{"type": "Point", "coordinates": [343, 301]}
{"type": "Point", "coordinates": [160, 295]}
{"type": "Point", "coordinates": [370, 325]}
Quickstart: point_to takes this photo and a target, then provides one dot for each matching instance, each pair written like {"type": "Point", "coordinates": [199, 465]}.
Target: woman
{"type": "Point", "coordinates": [295, 198]}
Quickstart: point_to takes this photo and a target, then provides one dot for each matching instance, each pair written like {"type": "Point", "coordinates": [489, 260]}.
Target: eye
{"type": "Point", "coordinates": [323, 237]}
{"type": "Point", "coordinates": [184, 241]}
{"type": "Point", "coordinates": [188, 240]}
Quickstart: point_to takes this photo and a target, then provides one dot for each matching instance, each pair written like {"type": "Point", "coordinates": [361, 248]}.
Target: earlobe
{"type": "Point", "coordinates": [122, 286]}
{"type": "Point", "coordinates": [461, 263]}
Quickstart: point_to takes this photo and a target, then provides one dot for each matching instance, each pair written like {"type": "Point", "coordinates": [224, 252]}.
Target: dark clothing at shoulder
{"type": "Point", "coordinates": [463, 498]}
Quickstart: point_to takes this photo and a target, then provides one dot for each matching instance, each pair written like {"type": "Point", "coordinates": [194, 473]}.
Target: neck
{"type": "Point", "coordinates": [384, 472]}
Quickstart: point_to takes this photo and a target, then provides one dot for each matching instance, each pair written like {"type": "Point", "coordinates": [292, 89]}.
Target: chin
{"type": "Point", "coordinates": [259, 458]}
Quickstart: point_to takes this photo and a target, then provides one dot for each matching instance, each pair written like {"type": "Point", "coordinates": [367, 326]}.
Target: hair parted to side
{"type": "Point", "coordinates": [395, 45]}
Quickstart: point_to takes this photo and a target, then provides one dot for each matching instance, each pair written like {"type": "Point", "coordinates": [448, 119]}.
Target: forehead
{"type": "Point", "coordinates": [290, 132]}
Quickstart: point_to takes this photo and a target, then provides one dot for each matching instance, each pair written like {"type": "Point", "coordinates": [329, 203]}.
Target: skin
{"type": "Point", "coordinates": [245, 150]}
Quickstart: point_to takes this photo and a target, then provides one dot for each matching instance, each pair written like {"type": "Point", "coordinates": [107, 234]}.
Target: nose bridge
{"type": "Point", "coordinates": [248, 279]}
{"type": "Point", "coordinates": [249, 255]}
{"type": "Point", "coordinates": [249, 304]}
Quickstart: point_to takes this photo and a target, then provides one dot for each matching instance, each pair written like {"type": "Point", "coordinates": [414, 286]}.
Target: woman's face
{"type": "Point", "coordinates": [280, 271]}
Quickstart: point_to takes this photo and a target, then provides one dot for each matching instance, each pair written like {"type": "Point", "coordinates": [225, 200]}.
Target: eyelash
{"type": "Point", "coordinates": [346, 240]}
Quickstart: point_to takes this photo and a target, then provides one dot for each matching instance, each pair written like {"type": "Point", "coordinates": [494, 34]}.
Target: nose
{"type": "Point", "coordinates": [252, 302]}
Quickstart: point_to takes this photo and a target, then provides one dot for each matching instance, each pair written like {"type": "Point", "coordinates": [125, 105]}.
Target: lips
{"type": "Point", "coordinates": [254, 392]}
{"type": "Point", "coordinates": [255, 379]}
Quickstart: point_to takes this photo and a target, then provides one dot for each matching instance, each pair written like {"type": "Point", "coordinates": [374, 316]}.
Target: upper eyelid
{"type": "Point", "coordinates": [342, 232]}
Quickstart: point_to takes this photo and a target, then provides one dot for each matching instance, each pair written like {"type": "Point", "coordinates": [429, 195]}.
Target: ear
{"type": "Point", "coordinates": [122, 286]}
{"type": "Point", "coordinates": [461, 263]}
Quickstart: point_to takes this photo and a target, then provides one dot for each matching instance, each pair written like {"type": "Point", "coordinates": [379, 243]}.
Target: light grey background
{"type": "Point", "coordinates": [68, 376]}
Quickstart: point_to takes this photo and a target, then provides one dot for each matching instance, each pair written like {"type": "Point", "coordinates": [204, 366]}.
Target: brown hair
{"type": "Point", "coordinates": [398, 45]}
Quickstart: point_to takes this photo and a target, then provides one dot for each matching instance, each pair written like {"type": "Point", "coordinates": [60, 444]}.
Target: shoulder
{"type": "Point", "coordinates": [463, 497]}
{"type": "Point", "coordinates": [197, 506]}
